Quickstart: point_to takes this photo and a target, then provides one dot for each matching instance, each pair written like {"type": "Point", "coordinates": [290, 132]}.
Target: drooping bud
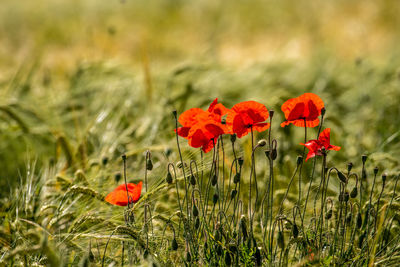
{"type": "Point", "coordinates": [117, 177]}
{"type": "Point", "coordinates": [349, 217]}
{"type": "Point", "coordinates": [359, 220]}
{"type": "Point", "coordinates": [149, 164]}
{"type": "Point", "coordinates": [215, 198]}
{"type": "Point", "coordinates": [174, 245]}
{"type": "Point", "coordinates": [346, 196]}
{"type": "Point", "coordinates": [233, 193]}
{"type": "Point", "coordinates": [295, 230]}
{"type": "Point", "coordinates": [188, 257]}
{"type": "Point", "coordinates": [353, 193]}
{"type": "Point", "coordinates": [104, 160]}
{"type": "Point", "coordinates": [262, 142]}
{"type": "Point", "coordinates": [328, 214]}
{"type": "Point", "coordinates": [281, 240]}
{"type": "Point", "coordinates": [227, 259]}
{"type": "Point", "coordinates": [192, 180]}
{"type": "Point", "coordinates": [197, 223]}
{"type": "Point", "coordinates": [195, 211]}
{"type": "Point", "coordinates": [214, 180]}
{"type": "Point", "coordinates": [168, 179]}
{"type": "Point", "coordinates": [236, 178]}
{"type": "Point", "coordinates": [274, 154]}
{"type": "Point", "coordinates": [342, 177]}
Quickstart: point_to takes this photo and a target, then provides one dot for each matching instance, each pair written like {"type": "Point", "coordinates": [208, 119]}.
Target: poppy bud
{"type": "Point", "coordinates": [349, 166]}
{"type": "Point", "coordinates": [214, 180]}
{"type": "Point", "coordinates": [376, 170]}
{"type": "Point", "coordinates": [240, 160]}
{"type": "Point", "coordinates": [233, 138]}
{"type": "Point", "coordinates": [281, 240]}
{"type": "Point", "coordinates": [145, 254]}
{"type": "Point", "coordinates": [192, 180]}
{"type": "Point", "coordinates": [361, 239]}
{"type": "Point", "coordinates": [267, 153]}
{"type": "Point", "coordinates": [353, 193]}
{"type": "Point", "coordinates": [104, 160]}
{"type": "Point", "coordinates": [257, 256]}
{"type": "Point", "coordinates": [188, 257]}
{"type": "Point", "coordinates": [262, 142]}
{"type": "Point", "coordinates": [123, 157]}
{"type": "Point", "coordinates": [274, 154]}
{"type": "Point", "coordinates": [299, 160]}
{"type": "Point", "coordinates": [149, 165]}
{"type": "Point", "coordinates": [117, 177]}
{"type": "Point", "coordinates": [197, 223]}
{"type": "Point", "coordinates": [168, 151]}
{"type": "Point", "coordinates": [295, 230]}
{"type": "Point", "coordinates": [227, 259]}
{"type": "Point", "coordinates": [174, 113]}
{"type": "Point", "coordinates": [342, 177]}
{"type": "Point", "coordinates": [195, 211]}
{"type": "Point", "coordinates": [328, 214]}
{"type": "Point", "coordinates": [168, 179]}
{"type": "Point", "coordinates": [271, 113]}
{"type": "Point", "coordinates": [359, 220]}
{"type": "Point", "coordinates": [323, 110]}
{"type": "Point", "coordinates": [233, 193]}
{"type": "Point", "coordinates": [384, 178]}
{"type": "Point", "coordinates": [364, 158]}
{"type": "Point", "coordinates": [236, 178]}
{"type": "Point", "coordinates": [174, 245]}
{"type": "Point", "coordinates": [215, 198]}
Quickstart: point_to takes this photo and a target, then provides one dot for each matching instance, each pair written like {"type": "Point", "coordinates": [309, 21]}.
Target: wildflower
{"type": "Point", "coordinates": [247, 116]}
{"type": "Point", "coordinates": [205, 135]}
{"type": "Point", "coordinates": [305, 108]}
{"type": "Point", "coordinates": [119, 196]}
{"type": "Point", "coordinates": [193, 116]}
{"type": "Point", "coordinates": [316, 147]}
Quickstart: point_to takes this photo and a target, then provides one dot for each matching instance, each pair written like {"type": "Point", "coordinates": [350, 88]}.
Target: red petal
{"type": "Point", "coordinates": [192, 116]}
{"type": "Point", "coordinates": [256, 111]}
{"type": "Point", "coordinates": [324, 137]}
{"type": "Point", "coordinates": [119, 196]}
{"type": "Point", "coordinates": [261, 127]}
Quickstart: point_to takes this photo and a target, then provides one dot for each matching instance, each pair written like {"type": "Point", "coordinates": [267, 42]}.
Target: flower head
{"type": "Point", "coordinates": [205, 134]}
{"type": "Point", "coordinates": [245, 116]}
{"type": "Point", "coordinates": [315, 147]}
{"type": "Point", "coordinates": [305, 108]}
{"type": "Point", "coordinates": [119, 196]}
{"type": "Point", "coordinates": [193, 116]}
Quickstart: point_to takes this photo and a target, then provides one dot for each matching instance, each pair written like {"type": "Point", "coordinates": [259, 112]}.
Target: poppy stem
{"type": "Point", "coordinates": [301, 166]}
{"type": "Point", "coordinates": [126, 184]}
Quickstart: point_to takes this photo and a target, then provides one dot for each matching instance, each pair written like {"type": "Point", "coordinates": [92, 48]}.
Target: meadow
{"type": "Point", "coordinates": [90, 95]}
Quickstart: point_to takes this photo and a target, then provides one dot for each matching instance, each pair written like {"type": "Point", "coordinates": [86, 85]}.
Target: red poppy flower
{"type": "Point", "coordinates": [324, 141]}
{"type": "Point", "coordinates": [305, 107]}
{"type": "Point", "coordinates": [120, 198]}
{"type": "Point", "coordinates": [193, 116]}
{"type": "Point", "coordinates": [245, 116]}
{"type": "Point", "coordinates": [205, 135]}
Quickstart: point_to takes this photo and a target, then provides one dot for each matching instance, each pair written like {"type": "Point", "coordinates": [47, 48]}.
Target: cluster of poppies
{"type": "Point", "coordinates": [202, 128]}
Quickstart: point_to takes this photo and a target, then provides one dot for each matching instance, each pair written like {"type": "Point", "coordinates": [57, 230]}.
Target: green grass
{"type": "Point", "coordinates": [83, 83]}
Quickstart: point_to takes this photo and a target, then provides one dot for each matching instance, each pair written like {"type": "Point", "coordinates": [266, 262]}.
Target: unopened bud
{"type": "Point", "coordinates": [299, 160]}
{"type": "Point", "coordinates": [364, 158]}
{"type": "Point", "coordinates": [149, 165]}
{"type": "Point", "coordinates": [215, 198]}
{"type": "Point", "coordinates": [214, 180]}
{"type": "Point", "coordinates": [349, 166]}
{"type": "Point", "coordinates": [233, 193]}
{"type": "Point", "coordinates": [233, 138]}
{"type": "Point", "coordinates": [262, 142]}
{"type": "Point", "coordinates": [174, 245]}
{"type": "Point", "coordinates": [192, 180]}
{"type": "Point", "coordinates": [236, 178]}
{"type": "Point", "coordinates": [384, 178]}
{"type": "Point", "coordinates": [342, 177]}
{"type": "Point", "coordinates": [376, 170]}
{"type": "Point", "coordinates": [323, 110]}
{"type": "Point", "coordinates": [168, 179]}
{"type": "Point", "coordinates": [353, 193]}
{"type": "Point", "coordinates": [240, 160]}
{"type": "Point", "coordinates": [271, 113]}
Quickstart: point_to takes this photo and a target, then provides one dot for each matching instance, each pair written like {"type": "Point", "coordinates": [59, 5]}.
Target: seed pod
{"type": "Point", "coordinates": [149, 165]}
{"type": "Point", "coordinates": [323, 110]}
{"type": "Point", "coordinates": [353, 193]}
{"type": "Point", "coordinates": [214, 180]}
{"type": "Point", "coordinates": [236, 178]}
{"type": "Point", "coordinates": [271, 113]}
{"type": "Point", "coordinates": [197, 223]}
{"type": "Point", "coordinates": [188, 257]}
{"type": "Point", "coordinates": [233, 193]}
{"type": "Point", "coordinates": [168, 179]}
{"type": "Point", "coordinates": [240, 161]}
{"type": "Point", "coordinates": [227, 259]}
{"type": "Point", "coordinates": [384, 178]}
{"type": "Point", "coordinates": [257, 256]}
{"type": "Point", "coordinates": [215, 198]}
{"type": "Point", "coordinates": [376, 170]}
{"type": "Point", "coordinates": [295, 230]}
{"type": "Point", "coordinates": [192, 180]}
{"type": "Point", "coordinates": [328, 214]}
{"type": "Point", "coordinates": [342, 177]}
{"type": "Point", "coordinates": [267, 153]}
{"type": "Point", "coordinates": [349, 166]}
{"type": "Point", "coordinates": [104, 160]}
{"type": "Point", "coordinates": [233, 138]}
{"type": "Point", "coordinates": [364, 158]}
{"type": "Point", "coordinates": [195, 211]}
{"type": "Point", "coordinates": [174, 245]}
{"type": "Point", "coordinates": [359, 220]}
{"type": "Point", "coordinates": [281, 240]}
{"type": "Point", "coordinates": [299, 160]}
{"type": "Point", "coordinates": [262, 143]}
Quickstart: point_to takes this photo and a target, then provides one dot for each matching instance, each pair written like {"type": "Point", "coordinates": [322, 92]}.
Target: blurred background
{"type": "Point", "coordinates": [84, 80]}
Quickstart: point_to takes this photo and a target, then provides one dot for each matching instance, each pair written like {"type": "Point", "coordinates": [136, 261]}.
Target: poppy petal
{"type": "Point", "coordinates": [261, 127]}
{"type": "Point", "coordinates": [191, 116]}
{"type": "Point", "coordinates": [119, 196]}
